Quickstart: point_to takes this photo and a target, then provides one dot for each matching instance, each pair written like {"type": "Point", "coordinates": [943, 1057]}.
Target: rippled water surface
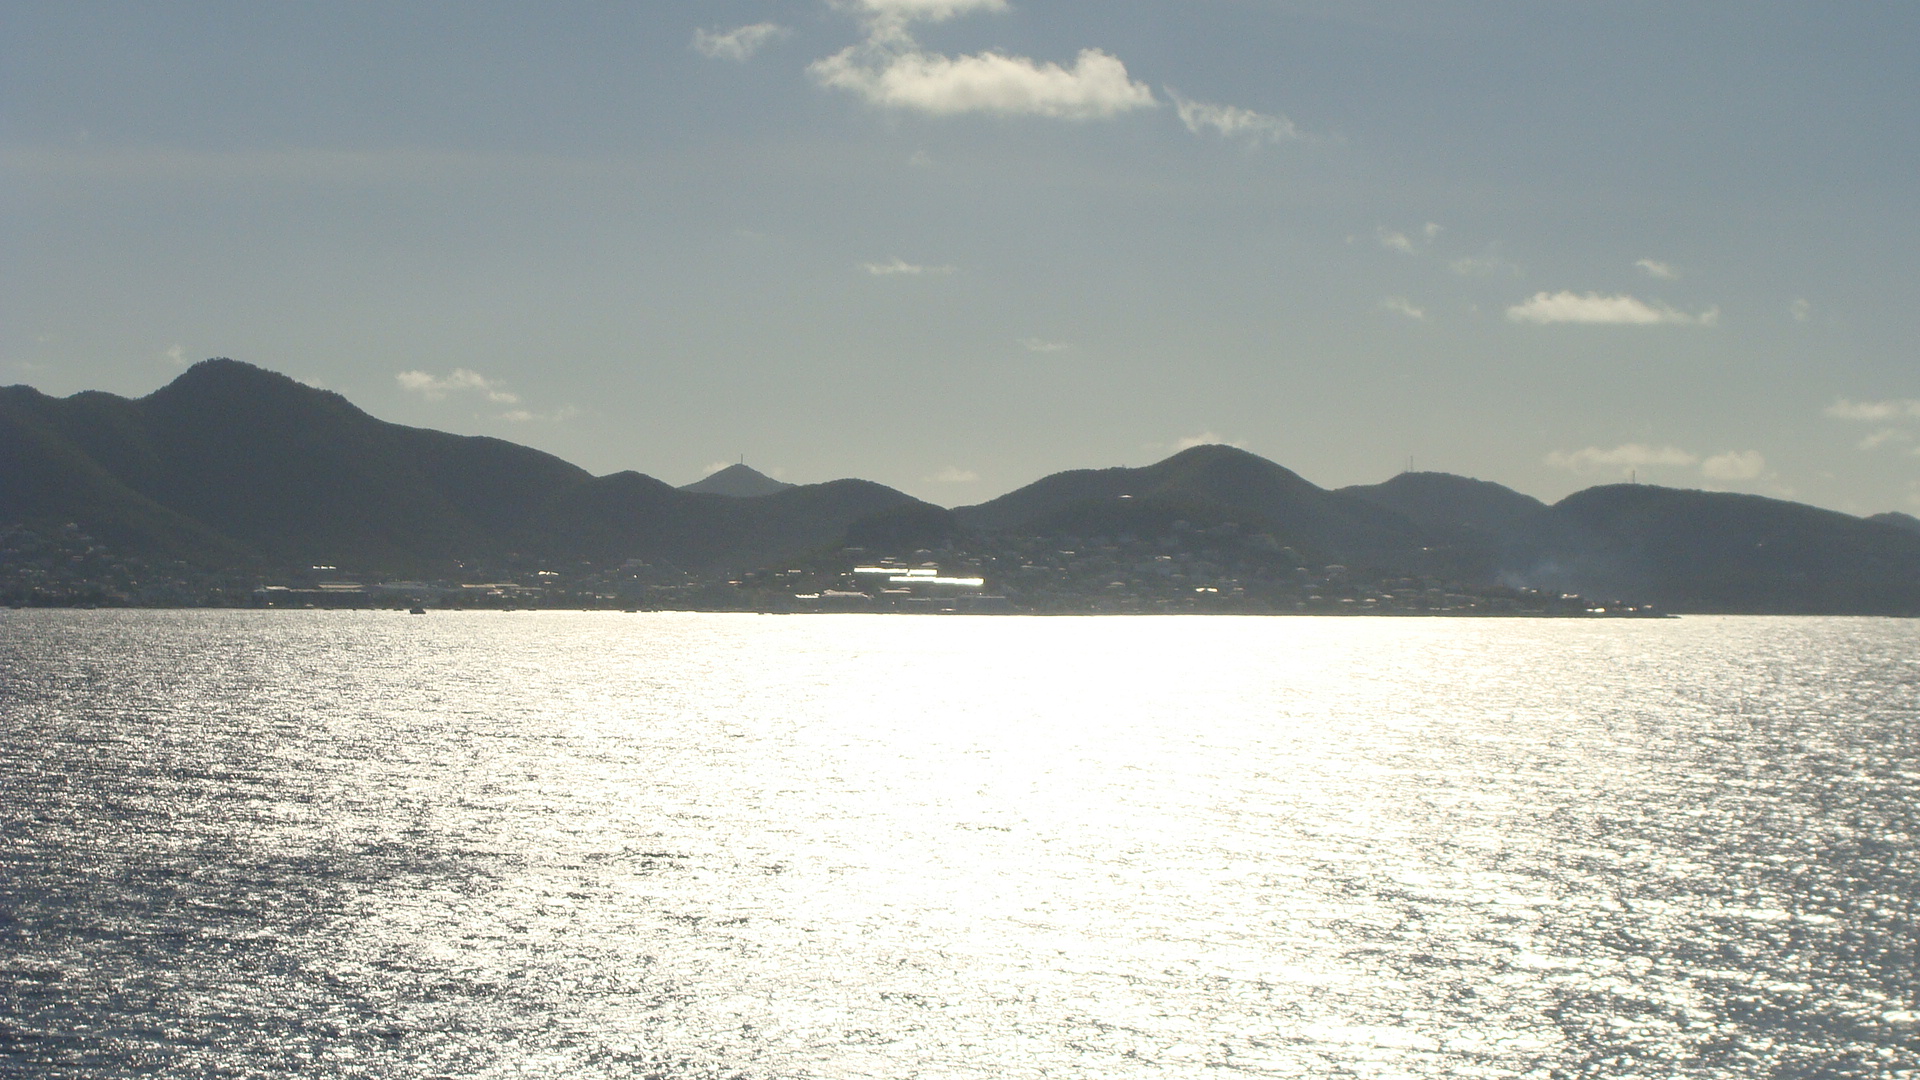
{"type": "Point", "coordinates": [344, 844]}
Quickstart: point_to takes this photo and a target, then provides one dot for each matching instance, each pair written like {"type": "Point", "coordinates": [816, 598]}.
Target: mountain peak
{"type": "Point", "coordinates": [1898, 520]}
{"type": "Point", "coordinates": [741, 481]}
{"type": "Point", "coordinates": [221, 369]}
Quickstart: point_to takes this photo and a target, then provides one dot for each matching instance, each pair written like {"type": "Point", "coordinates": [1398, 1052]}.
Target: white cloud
{"type": "Point", "coordinates": [1623, 458]}
{"type": "Point", "coordinates": [1594, 309]}
{"type": "Point", "coordinates": [435, 387]}
{"type": "Point", "coordinates": [1040, 345]}
{"type": "Point", "coordinates": [1231, 121]}
{"type": "Point", "coordinates": [920, 10]}
{"type": "Point", "coordinates": [739, 43]}
{"type": "Point", "coordinates": [952, 474]}
{"type": "Point", "coordinates": [1880, 438]}
{"type": "Point", "coordinates": [522, 416]}
{"type": "Point", "coordinates": [1654, 268]}
{"type": "Point", "coordinates": [1734, 465]}
{"type": "Point", "coordinates": [1205, 438]}
{"type": "Point", "coordinates": [1399, 241]}
{"type": "Point", "coordinates": [1800, 310]}
{"type": "Point", "coordinates": [920, 160]}
{"type": "Point", "coordinates": [1400, 305]}
{"type": "Point", "coordinates": [1095, 87]}
{"type": "Point", "coordinates": [1895, 409]}
{"type": "Point", "coordinates": [175, 355]}
{"type": "Point", "coordinates": [898, 266]}
{"type": "Point", "coordinates": [1482, 266]}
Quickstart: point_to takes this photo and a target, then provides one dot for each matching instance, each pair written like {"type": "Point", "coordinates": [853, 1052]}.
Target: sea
{"type": "Point", "coordinates": [595, 844]}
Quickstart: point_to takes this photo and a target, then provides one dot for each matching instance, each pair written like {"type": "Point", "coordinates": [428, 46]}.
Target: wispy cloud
{"type": "Point", "coordinates": [1624, 457]}
{"type": "Point", "coordinates": [1232, 121]}
{"type": "Point", "coordinates": [1654, 268]}
{"type": "Point", "coordinates": [898, 266]}
{"type": "Point", "coordinates": [1400, 305]}
{"type": "Point", "coordinates": [1734, 465]}
{"type": "Point", "coordinates": [1205, 438]}
{"type": "Point", "coordinates": [175, 165]}
{"type": "Point", "coordinates": [1040, 345]}
{"type": "Point", "coordinates": [952, 474]}
{"type": "Point", "coordinates": [1483, 266]}
{"type": "Point", "coordinates": [919, 10]}
{"type": "Point", "coordinates": [739, 43]}
{"type": "Point", "coordinates": [1411, 244]}
{"type": "Point", "coordinates": [1892, 409]}
{"type": "Point", "coordinates": [1882, 437]}
{"type": "Point", "coordinates": [1800, 309]}
{"type": "Point", "coordinates": [524, 416]}
{"type": "Point", "coordinates": [437, 387]}
{"type": "Point", "coordinates": [1595, 309]}
{"type": "Point", "coordinates": [175, 355]}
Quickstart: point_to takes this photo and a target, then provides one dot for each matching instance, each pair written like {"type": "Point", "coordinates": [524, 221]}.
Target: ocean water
{"type": "Point", "coordinates": [363, 844]}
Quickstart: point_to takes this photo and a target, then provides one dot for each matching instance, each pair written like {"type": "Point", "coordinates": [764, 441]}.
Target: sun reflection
{"type": "Point", "coordinates": [705, 846]}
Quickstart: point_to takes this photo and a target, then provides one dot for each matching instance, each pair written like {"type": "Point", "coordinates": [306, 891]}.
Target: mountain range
{"type": "Point", "coordinates": [233, 466]}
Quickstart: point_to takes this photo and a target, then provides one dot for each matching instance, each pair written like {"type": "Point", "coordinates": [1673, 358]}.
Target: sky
{"type": "Point", "coordinates": [955, 245]}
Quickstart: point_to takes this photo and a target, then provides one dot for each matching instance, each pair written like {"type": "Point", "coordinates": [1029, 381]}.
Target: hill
{"type": "Point", "coordinates": [1898, 520]}
{"type": "Point", "coordinates": [739, 481]}
{"type": "Point", "coordinates": [231, 464]}
{"type": "Point", "coordinates": [1206, 487]}
{"type": "Point", "coordinates": [234, 468]}
{"type": "Point", "coordinates": [1689, 551]}
{"type": "Point", "coordinates": [1444, 503]}
{"type": "Point", "coordinates": [1707, 551]}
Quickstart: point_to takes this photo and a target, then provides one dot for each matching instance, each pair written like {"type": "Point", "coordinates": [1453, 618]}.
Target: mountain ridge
{"type": "Point", "coordinates": [234, 466]}
{"type": "Point", "coordinates": [245, 465]}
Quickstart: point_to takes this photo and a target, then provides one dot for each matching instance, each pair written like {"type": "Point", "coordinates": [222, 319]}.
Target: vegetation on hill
{"type": "Point", "coordinates": [233, 464]}
{"type": "Point", "coordinates": [233, 470]}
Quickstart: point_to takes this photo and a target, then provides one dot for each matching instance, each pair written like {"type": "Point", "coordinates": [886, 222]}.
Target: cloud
{"type": "Point", "coordinates": [952, 474]}
{"type": "Point", "coordinates": [522, 416]}
{"type": "Point", "coordinates": [739, 43]}
{"type": "Point", "coordinates": [1623, 458]}
{"type": "Point", "coordinates": [1800, 310]}
{"type": "Point", "coordinates": [1400, 305]}
{"type": "Point", "coordinates": [1038, 345]}
{"type": "Point", "coordinates": [1095, 87]}
{"type": "Point", "coordinates": [1482, 266]}
{"type": "Point", "coordinates": [899, 266]}
{"type": "Point", "coordinates": [1880, 438]}
{"type": "Point", "coordinates": [1627, 458]}
{"type": "Point", "coordinates": [902, 11]}
{"type": "Point", "coordinates": [920, 160]}
{"type": "Point", "coordinates": [1399, 241]}
{"type": "Point", "coordinates": [1205, 438]}
{"type": "Point", "coordinates": [1895, 409]}
{"type": "Point", "coordinates": [1654, 268]}
{"type": "Point", "coordinates": [436, 388]}
{"type": "Point", "coordinates": [1231, 121]}
{"type": "Point", "coordinates": [1594, 309]}
{"type": "Point", "coordinates": [175, 355]}
{"type": "Point", "coordinates": [1734, 465]}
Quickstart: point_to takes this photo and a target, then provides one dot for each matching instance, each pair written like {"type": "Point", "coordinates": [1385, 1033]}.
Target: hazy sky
{"type": "Point", "coordinates": [953, 245]}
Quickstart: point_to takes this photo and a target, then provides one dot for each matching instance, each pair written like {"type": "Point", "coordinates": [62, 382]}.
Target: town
{"type": "Point", "coordinates": [1192, 571]}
